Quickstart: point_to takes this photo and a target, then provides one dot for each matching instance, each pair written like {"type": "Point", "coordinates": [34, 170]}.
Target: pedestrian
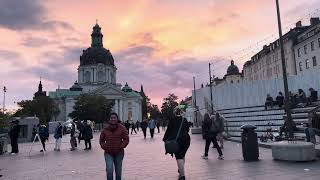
{"type": "Point", "coordinates": [87, 134]}
{"type": "Point", "coordinates": [210, 130]}
{"type": "Point", "coordinates": [44, 136]}
{"type": "Point", "coordinates": [178, 128]}
{"type": "Point", "coordinates": [14, 134]}
{"type": "Point", "coordinates": [158, 125]}
{"type": "Point", "coordinates": [138, 125]}
{"type": "Point", "coordinates": [74, 133]}
{"type": "Point", "coordinates": [152, 126]}
{"type": "Point", "coordinates": [80, 127]}
{"type": "Point", "coordinates": [133, 127]}
{"type": "Point", "coordinates": [144, 126]}
{"type": "Point", "coordinates": [127, 125]}
{"type": "Point", "coordinates": [113, 139]}
{"type": "Point", "coordinates": [58, 136]}
{"type": "Point", "coordinates": [220, 123]}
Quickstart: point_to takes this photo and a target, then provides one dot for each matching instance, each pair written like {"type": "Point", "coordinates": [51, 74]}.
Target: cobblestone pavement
{"type": "Point", "coordinates": [145, 160]}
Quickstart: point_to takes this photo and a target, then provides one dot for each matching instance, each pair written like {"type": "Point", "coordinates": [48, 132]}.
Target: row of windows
{"type": "Point", "coordinates": [307, 63]}
{"type": "Point", "coordinates": [305, 47]}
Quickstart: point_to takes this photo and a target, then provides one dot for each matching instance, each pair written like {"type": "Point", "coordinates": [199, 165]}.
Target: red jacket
{"type": "Point", "coordinates": [114, 141]}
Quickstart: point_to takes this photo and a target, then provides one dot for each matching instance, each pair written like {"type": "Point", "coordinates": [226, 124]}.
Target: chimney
{"type": "Point", "coordinates": [299, 24]}
{"type": "Point", "coordinates": [314, 21]}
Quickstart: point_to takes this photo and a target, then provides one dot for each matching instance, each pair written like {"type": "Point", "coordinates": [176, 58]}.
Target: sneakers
{"type": "Point", "coordinates": [182, 178]}
{"type": "Point", "coordinates": [221, 157]}
{"type": "Point", "coordinates": [204, 157]}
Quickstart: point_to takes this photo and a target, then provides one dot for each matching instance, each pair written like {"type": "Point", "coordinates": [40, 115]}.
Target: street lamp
{"type": "Point", "coordinates": [210, 84]}
{"type": "Point", "coordinates": [4, 98]}
{"type": "Point", "coordinates": [284, 74]}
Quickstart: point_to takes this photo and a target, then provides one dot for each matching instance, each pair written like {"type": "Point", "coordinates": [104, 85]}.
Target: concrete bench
{"type": "Point", "coordinates": [293, 151]}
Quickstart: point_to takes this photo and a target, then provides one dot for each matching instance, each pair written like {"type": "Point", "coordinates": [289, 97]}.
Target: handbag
{"type": "Point", "coordinates": [172, 146]}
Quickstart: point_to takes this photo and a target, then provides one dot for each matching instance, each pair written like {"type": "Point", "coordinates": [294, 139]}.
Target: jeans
{"type": "Point", "coordinates": [114, 161]}
{"type": "Point", "coordinates": [14, 145]}
{"type": "Point", "coordinates": [310, 134]}
{"type": "Point", "coordinates": [58, 144]}
{"type": "Point", "coordinates": [87, 143]}
{"type": "Point", "coordinates": [152, 132]}
{"type": "Point", "coordinates": [144, 132]}
{"type": "Point", "coordinates": [43, 142]}
{"type": "Point", "coordinates": [214, 141]}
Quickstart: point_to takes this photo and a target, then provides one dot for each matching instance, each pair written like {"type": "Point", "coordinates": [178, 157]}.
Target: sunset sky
{"type": "Point", "coordinates": [161, 44]}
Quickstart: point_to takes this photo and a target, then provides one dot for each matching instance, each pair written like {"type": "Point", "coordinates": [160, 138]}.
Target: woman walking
{"type": "Point", "coordinates": [183, 139]}
{"type": "Point", "coordinates": [113, 139]}
{"type": "Point", "coordinates": [58, 137]}
{"type": "Point", "coordinates": [210, 130]}
{"type": "Point", "coordinates": [87, 135]}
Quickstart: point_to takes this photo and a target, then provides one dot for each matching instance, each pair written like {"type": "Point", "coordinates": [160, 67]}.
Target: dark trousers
{"type": "Point", "coordinates": [144, 132]}
{"type": "Point", "coordinates": [87, 142]}
{"type": "Point", "coordinates": [212, 139]}
{"type": "Point", "coordinates": [158, 127]}
{"type": "Point", "coordinates": [133, 129]}
{"type": "Point", "coordinates": [14, 145]}
{"type": "Point", "coordinates": [43, 142]}
{"type": "Point", "coordinates": [152, 132]}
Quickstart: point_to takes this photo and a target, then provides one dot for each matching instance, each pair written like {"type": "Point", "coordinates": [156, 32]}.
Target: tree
{"type": "Point", "coordinates": [92, 107]}
{"type": "Point", "coordinates": [42, 106]}
{"type": "Point", "coordinates": [154, 111]}
{"type": "Point", "coordinates": [168, 105]}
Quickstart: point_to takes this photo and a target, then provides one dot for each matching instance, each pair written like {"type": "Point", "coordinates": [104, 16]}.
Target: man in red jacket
{"type": "Point", "coordinates": [113, 139]}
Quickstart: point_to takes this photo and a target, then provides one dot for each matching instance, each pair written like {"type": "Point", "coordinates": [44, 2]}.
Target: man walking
{"type": "Point", "coordinates": [144, 126]}
{"type": "Point", "coordinates": [133, 127]}
{"type": "Point", "coordinates": [152, 126]}
{"type": "Point", "coordinates": [210, 129]}
{"type": "Point", "coordinates": [58, 137]}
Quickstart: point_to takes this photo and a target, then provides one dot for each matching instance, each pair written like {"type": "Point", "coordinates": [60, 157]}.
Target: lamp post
{"type": "Point", "coordinates": [4, 98]}
{"type": "Point", "coordinates": [284, 74]}
{"type": "Point", "coordinates": [210, 84]}
{"type": "Point", "coordinates": [195, 101]}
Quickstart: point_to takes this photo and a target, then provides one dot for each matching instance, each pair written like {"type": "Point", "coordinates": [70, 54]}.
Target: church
{"type": "Point", "coordinates": [97, 74]}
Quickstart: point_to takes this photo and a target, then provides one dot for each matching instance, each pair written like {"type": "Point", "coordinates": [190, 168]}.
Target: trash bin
{"type": "Point", "coordinates": [3, 145]}
{"type": "Point", "coordinates": [250, 149]}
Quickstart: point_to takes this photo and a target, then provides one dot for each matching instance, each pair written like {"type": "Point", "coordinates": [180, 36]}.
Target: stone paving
{"type": "Point", "coordinates": [145, 160]}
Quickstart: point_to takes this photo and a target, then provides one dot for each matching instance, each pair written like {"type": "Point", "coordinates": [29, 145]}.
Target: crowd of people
{"type": "Point", "coordinates": [114, 138]}
{"type": "Point", "coordinates": [298, 99]}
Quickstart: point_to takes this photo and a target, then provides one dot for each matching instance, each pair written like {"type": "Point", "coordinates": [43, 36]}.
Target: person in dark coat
{"type": "Point", "coordinates": [211, 128]}
{"type": "Point", "coordinates": [14, 134]}
{"type": "Point", "coordinates": [58, 136]}
{"type": "Point", "coordinates": [144, 126]}
{"type": "Point", "coordinates": [158, 125]}
{"type": "Point", "coordinates": [183, 139]}
{"type": "Point", "coordinates": [44, 135]}
{"type": "Point", "coordinates": [80, 127]}
{"type": "Point", "coordinates": [127, 125]}
{"type": "Point", "coordinates": [133, 127]}
{"type": "Point", "coordinates": [138, 125]}
{"type": "Point", "coordinates": [87, 135]}
{"type": "Point", "coordinates": [280, 99]}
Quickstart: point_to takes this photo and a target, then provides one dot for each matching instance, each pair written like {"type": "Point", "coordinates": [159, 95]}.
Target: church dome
{"type": "Point", "coordinates": [233, 69]}
{"type": "Point", "coordinates": [127, 88]}
{"type": "Point", "coordinates": [96, 53]}
{"type": "Point", "coordinates": [76, 87]}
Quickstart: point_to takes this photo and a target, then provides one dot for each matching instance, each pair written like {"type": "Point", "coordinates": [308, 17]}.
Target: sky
{"type": "Point", "coordinates": [160, 44]}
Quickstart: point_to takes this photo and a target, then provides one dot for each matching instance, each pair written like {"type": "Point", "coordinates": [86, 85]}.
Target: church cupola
{"type": "Point", "coordinates": [96, 36]}
{"type": "Point", "coordinates": [40, 92]}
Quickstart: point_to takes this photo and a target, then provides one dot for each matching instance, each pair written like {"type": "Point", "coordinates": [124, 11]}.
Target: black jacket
{"type": "Point", "coordinates": [14, 132]}
{"type": "Point", "coordinates": [144, 125]}
{"type": "Point", "coordinates": [87, 132]}
{"type": "Point", "coordinates": [173, 128]}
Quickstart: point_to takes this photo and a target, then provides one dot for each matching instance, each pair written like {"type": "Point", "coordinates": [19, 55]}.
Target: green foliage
{"type": "Point", "coordinates": [168, 105]}
{"type": "Point", "coordinates": [4, 121]}
{"type": "Point", "coordinates": [43, 107]}
{"type": "Point", "coordinates": [92, 107]}
{"type": "Point", "coordinates": [145, 105]}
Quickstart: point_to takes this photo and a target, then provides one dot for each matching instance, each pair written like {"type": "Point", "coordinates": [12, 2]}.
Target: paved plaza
{"type": "Point", "coordinates": [145, 160]}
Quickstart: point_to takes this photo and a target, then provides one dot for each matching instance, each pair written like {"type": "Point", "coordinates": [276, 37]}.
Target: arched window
{"type": "Point", "coordinates": [87, 76]}
{"type": "Point", "coordinates": [101, 76]}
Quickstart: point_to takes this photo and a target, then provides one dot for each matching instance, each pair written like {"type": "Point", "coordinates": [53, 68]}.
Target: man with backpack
{"type": "Point", "coordinates": [211, 128]}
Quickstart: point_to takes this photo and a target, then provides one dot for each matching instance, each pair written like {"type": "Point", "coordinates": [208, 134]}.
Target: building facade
{"type": "Point", "coordinates": [307, 48]}
{"type": "Point", "coordinates": [97, 74]}
{"type": "Point", "coordinates": [267, 64]}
